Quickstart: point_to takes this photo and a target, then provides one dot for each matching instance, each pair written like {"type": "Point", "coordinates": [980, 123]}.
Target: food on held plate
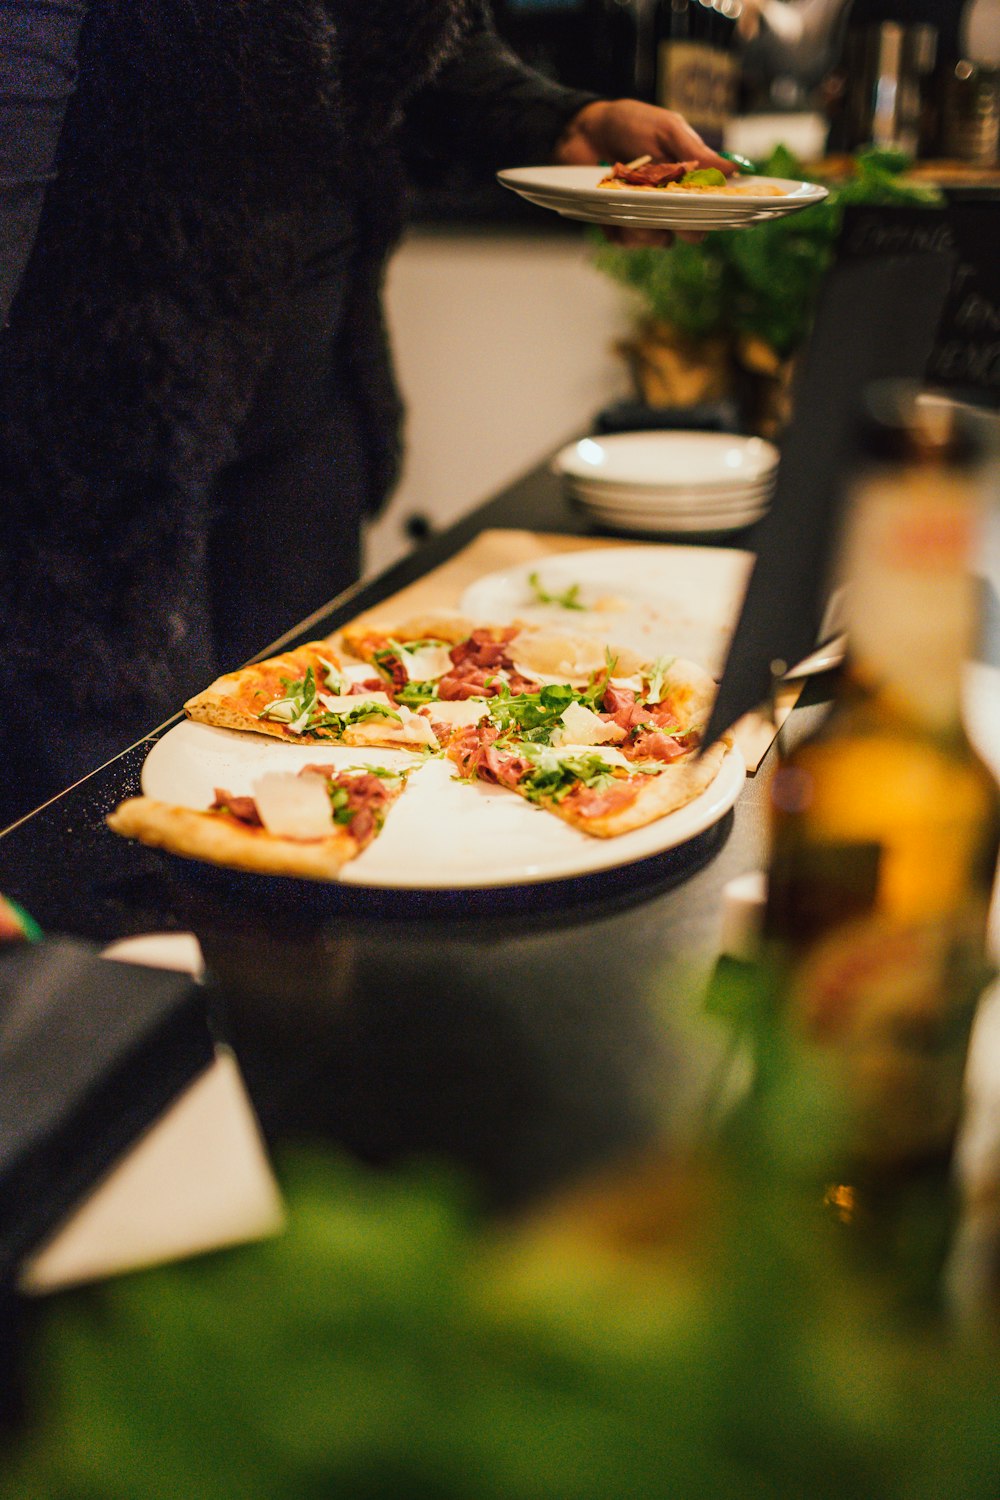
{"type": "Point", "coordinates": [683, 177]}
{"type": "Point", "coordinates": [308, 823]}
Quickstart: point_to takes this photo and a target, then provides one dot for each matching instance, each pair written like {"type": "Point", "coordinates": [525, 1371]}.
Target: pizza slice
{"type": "Point", "coordinates": [308, 696]}
{"type": "Point", "coordinates": [597, 790]}
{"type": "Point", "coordinates": [656, 713]}
{"type": "Point", "coordinates": [308, 823]}
{"type": "Point", "coordinates": [611, 757]}
{"type": "Point", "coordinates": [448, 658]}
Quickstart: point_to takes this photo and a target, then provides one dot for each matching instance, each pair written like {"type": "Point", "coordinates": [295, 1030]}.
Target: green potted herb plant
{"type": "Point", "coordinates": [726, 316]}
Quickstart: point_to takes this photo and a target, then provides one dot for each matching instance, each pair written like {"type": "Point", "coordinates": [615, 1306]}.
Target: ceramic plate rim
{"type": "Point", "coordinates": [580, 182]}
{"type": "Point", "coordinates": [575, 855]}
{"type": "Point", "coordinates": [570, 465]}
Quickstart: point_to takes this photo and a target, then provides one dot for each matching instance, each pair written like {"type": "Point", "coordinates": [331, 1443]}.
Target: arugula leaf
{"type": "Point", "coordinates": [298, 704]}
{"type": "Point", "coordinates": [364, 709]}
{"type": "Point", "coordinates": [533, 715]}
{"type": "Point", "coordinates": [554, 779]}
{"type": "Point", "coordinates": [416, 693]}
{"type": "Point", "coordinates": [658, 676]}
{"type": "Point", "coordinates": [395, 651]}
{"type": "Point", "coordinates": [568, 599]}
{"type": "Point", "coordinates": [382, 772]}
{"type": "Point", "coordinates": [332, 678]}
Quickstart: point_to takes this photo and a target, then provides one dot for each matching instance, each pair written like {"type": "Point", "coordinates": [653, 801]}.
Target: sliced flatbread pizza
{"type": "Point", "coordinates": [308, 824]}
{"type": "Point", "coordinates": [597, 790]}
{"type": "Point", "coordinates": [448, 658]}
{"type": "Point", "coordinates": [307, 696]}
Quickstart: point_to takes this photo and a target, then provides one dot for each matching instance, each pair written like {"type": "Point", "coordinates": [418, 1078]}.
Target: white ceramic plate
{"type": "Point", "coordinates": [652, 523]}
{"type": "Point", "coordinates": [681, 601]}
{"type": "Point", "coordinates": [662, 502]}
{"type": "Point", "coordinates": [442, 834]}
{"type": "Point", "coordinates": [665, 460]}
{"type": "Point", "coordinates": [574, 193]}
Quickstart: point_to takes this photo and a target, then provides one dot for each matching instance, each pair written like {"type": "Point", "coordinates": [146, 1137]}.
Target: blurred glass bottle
{"type": "Point", "coordinates": [970, 107]}
{"type": "Point", "coordinates": [886, 826]}
{"type": "Point", "coordinates": [696, 63]}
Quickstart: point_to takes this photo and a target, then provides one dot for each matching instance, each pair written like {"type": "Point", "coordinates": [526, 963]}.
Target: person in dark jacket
{"type": "Point", "coordinates": [197, 410]}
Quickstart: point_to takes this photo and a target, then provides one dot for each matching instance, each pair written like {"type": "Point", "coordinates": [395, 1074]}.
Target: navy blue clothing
{"type": "Point", "coordinates": [196, 401]}
{"type": "Point", "coordinates": [38, 43]}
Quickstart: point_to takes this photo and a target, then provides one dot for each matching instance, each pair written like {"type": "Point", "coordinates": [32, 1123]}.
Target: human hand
{"type": "Point", "coordinates": [610, 130]}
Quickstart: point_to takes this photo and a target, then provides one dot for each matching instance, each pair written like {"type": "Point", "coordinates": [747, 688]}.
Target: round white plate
{"type": "Point", "coordinates": [442, 834]}
{"type": "Point", "coordinates": [658, 460]}
{"type": "Point", "coordinates": [657, 600]}
{"type": "Point", "coordinates": [574, 193]}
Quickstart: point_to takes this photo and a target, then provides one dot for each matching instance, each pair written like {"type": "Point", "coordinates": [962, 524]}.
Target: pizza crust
{"type": "Point", "coordinates": [363, 640]}
{"type": "Point", "coordinates": [230, 703]}
{"type": "Point", "coordinates": [222, 841]}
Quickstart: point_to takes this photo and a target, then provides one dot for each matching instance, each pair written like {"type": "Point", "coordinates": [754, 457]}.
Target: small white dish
{"type": "Point", "coordinates": [669, 460]}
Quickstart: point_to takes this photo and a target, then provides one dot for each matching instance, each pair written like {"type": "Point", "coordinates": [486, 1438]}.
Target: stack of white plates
{"type": "Point", "coordinates": [670, 482]}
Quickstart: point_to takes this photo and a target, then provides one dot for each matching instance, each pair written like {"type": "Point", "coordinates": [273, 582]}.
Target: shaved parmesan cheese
{"type": "Point", "coordinates": [458, 712]}
{"type": "Point", "coordinates": [293, 807]}
{"type": "Point", "coordinates": [413, 730]}
{"type": "Point", "coordinates": [342, 703]}
{"type": "Point", "coordinates": [560, 658]}
{"type": "Point", "coordinates": [551, 756]}
{"type": "Point", "coordinates": [358, 672]}
{"type": "Point", "coordinates": [427, 663]}
{"type": "Point", "coordinates": [581, 726]}
{"type": "Point", "coordinates": [635, 682]}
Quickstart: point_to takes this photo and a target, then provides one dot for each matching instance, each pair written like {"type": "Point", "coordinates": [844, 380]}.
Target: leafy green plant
{"type": "Point", "coordinates": [761, 282]}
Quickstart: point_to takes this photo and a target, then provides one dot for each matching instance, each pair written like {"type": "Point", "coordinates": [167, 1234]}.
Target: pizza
{"type": "Point", "coordinates": [308, 823]}
{"type": "Point", "coordinates": [307, 696]}
{"type": "Point", "coordinates": [612, 758]}
{"type": "Point", "coordinates": [682, 177]}
{"type": "Point", "coordinates": [399, 683]}
{"type": "Point", "coordinates": [594, 735]}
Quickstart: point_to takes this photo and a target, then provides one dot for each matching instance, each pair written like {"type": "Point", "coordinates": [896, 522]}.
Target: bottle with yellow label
{"type": "Point", "coordinates": [885, 833]}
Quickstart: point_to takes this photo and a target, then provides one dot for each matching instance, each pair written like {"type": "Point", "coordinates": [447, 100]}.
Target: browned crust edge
{"type": "Point", "coordinates": [220, 841]}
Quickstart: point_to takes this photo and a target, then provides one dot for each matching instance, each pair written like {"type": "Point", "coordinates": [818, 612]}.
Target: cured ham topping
{"type": "Point", "coordinates": [616, 699]}
{"type": "Point", "coordinates": [472, 683]}
{"type": "Point", "coordinates": [378, 684]}
{"type": "Point", "coordinates": [243, 809]}
{"type": "Point", "coordinates": [359, 800]}
{"type": "Point", "coordinates": [654, 173]}
{"type": "Point", "coordinates": [485, 648]}
{"type": "Point", "coordinates": [655, 745]}
{"type": "Point", "coordinates": [442, 732]}
{"type": "Point", "coordinates": [596, 802]}
{"type": "Point", "coordinates": [475, 753]}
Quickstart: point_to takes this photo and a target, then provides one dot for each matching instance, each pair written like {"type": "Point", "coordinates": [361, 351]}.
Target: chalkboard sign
{"type": "Point", "coordinates": [965, 360]}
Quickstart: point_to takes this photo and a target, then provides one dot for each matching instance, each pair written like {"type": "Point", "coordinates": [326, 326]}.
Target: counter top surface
{"type": "Point", "coordinates": [528, 1034]}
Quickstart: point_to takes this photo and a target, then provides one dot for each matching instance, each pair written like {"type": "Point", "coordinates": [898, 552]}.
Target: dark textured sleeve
{"type": "Point", "coordinates": [490, 109]}
{"type": "Point", "coordinates": [38, 40]}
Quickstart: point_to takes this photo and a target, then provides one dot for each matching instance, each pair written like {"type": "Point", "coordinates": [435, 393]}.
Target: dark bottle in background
{"type": "Point", "coordinates": [696, 68]}
{"type": "Point", "coordinates": [970, 88]}
{"type": "Point", "coordinates": [885, 832]}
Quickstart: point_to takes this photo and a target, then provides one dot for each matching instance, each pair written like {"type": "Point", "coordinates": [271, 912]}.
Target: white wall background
{"type": "Point", "coordinates": [504, 350]}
